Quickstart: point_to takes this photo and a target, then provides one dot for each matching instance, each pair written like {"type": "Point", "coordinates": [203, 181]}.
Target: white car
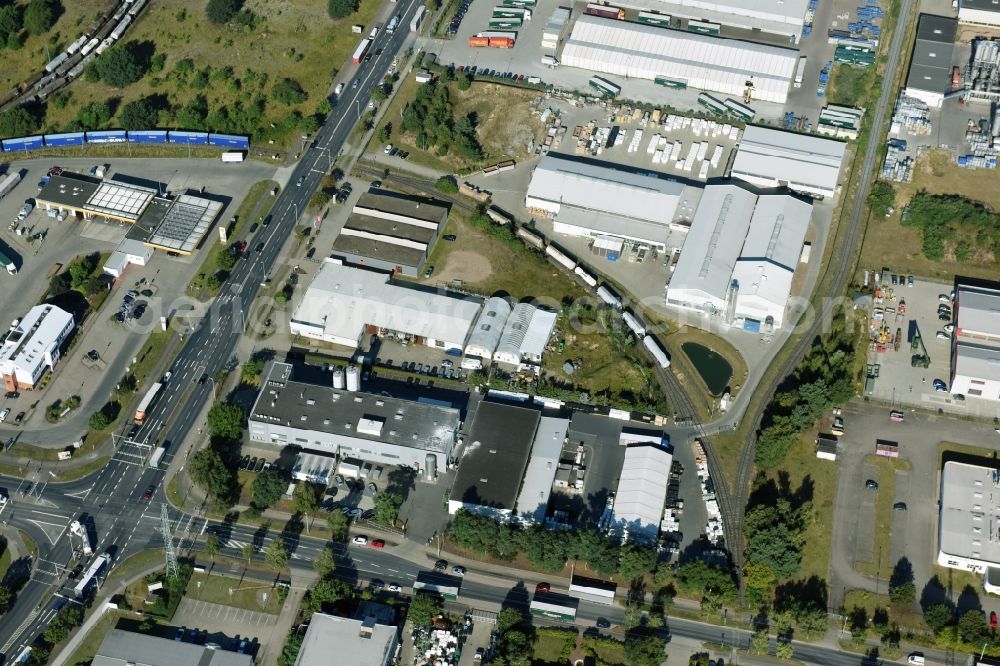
{"type": "Point", "coordinates": [949, 328]}
{"type": "Point", "coordinates": [361, 540]}
{"type": "Point", "coordinates": [941, 335]}
{"type": "Point", "coordinates": [392, 587]}
{"type": "Point", "coordinates": [339, 89]}
{"type": "Point", "coordinates": [388, 149]}
{"type": "Point", "coordinates": [3, 499]}
{"type": "Point", "coordinates": [4, 414]}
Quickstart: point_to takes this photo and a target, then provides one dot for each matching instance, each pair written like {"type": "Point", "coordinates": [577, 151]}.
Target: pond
{"type": "Point", "coordinates": [715, 371]}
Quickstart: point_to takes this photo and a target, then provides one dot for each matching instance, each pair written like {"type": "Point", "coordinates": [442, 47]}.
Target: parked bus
{"type": "Point", "coordinates": [800, 72]}
{"type": "Point", "coordinates": [147, 402]}
{"type": "Point", "coordinates": [740, 110]}
{"type": "Point", "coordinates": [553, 606]}
{"type": "Point", "coordinates": [604, 87]}
{"type": "Point", "coordinates": [712, 104]}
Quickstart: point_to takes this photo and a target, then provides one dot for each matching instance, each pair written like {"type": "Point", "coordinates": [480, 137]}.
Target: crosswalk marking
{"type": "Point", "coordinates": [20, 630]}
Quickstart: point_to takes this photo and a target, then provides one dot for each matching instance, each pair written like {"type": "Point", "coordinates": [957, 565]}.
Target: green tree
{"type": "Point", "coordinates": [225, 261]}
{"type": "Point", "coordinates": [247, 551]}
{"type": "Point", "coordinates": [515, 649]}
{"type": "Point", "coordinates": [212, 545]}
{"type": "Point", "coordinates": [972, 627]}
{"type": "Point", "coordinates": [128, 383]}
{"type": "Point", "coordinates": [387, 507]}
{"type": "Point", "coordinates": [337, 523]}
{"type": "Point", "coordinates": [759, 642]}
{"type": "Point", "coordinates": [208, 471]}
{"type": "Point", "coordinates": [597, 551]}
{"type": "Point", "coordinates": [325, 563]}
{"type": "Point", "coordinates": [904, 593]}
{"type": "Point", "coordinates": [6, 598]}
{"type": "Point", "coordinates": [290, 651]}
{"type": "Point", "coordinates": [59, 283]}
{"type": "Point", "coordinates": [93, 115]}
{"type": "Point", "coordinates": [385, 133]}
{"type": "Point", "coordinates": [138, 114]}
{"type": "Point", "coordinates": [99, 420]}
{"type": "Point", "coordinates": [10, 19]}
{"type": "Point", "coordinates": [644, 650]}
{"type": "Point", "coordinates": [317, 201]}
{"type": "Point", "coordinates": [288, 91]}
{"type": "Point", "coordinates": [700, 659]}
{"type": "Point", "coordinates": [937, 617]}
{"type": "Point", "coordinates": [325, 593]}
{"type": "Point", "coordinates": [698, 576]}
{"type": "Point", "coordinates": [306, 498]}
{"type": "Point", "coordinates": [251, 370]}
{"type": "Point", "coordinates": [341, 8]}
{"type": "Point", "coordinates": [508, 618]}
{"type": "Point", "coordinates": [423, 608]}
{"type": "Point", "coordinates": [636, 560]}
{"type": "Point", "coordinates": [222, 11]}
{"type": "Point", "coordinates": [446, 185]}
{"type": "Point", "coordinates": [78, 273]}
{"type": "Point", "coordinates": [545, 548]}
{"type": "Point", "coordinates": [776, 547]}
{"type": "Point", "coordinates": [378, 94]}
{"type": "Point", "coordinates": [18, 121]}
{"type": "Point", "coordinates": [881, 198]}
{"type": "Point", "coordinates": [276, 556]}
{"type": "Point", "coordinates": [464, 82]}
{"type": "Point", "coordinates": [121, 65]}
{"type": "Point", "coordinates": [268, 488]}
{"type": "Point", "coordinates": [39, 16]}
{"type": "Point", "coordinates": [225, 421]}
{"type": "Point", "coordinates": [56, 632]}
{"type": "Point", "coordinates": [784, 650]}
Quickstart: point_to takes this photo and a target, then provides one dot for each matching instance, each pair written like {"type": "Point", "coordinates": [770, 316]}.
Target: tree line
{"type": "Point", "coordinates": [430, 116]}
{"type": "Point", "coordinates": [952, 225]}
{"type": "Point", "coordinates": [550, 550]}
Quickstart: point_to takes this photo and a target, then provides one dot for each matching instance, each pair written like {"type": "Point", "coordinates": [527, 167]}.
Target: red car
{"type": "Point", "coordinates": [148, 495]}
{"type": "Point", "coordinates": [993, 619]}
{"type": "Point", "coordinates": [378, 543]}
{"type": "Point", "coordinates": [542, 587]}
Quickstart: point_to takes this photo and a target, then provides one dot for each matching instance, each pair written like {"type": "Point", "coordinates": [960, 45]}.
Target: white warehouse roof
{"type": "Point", "coordinates": [705, 268]}
{"type": "Point", "coordinates": [772, 158]}
{"type": "Point", "coordinates": [770, 254]}
{"type": "Point", "coordinates": [638, 51]}
{"type": "Point", "coordinates": [536, 486]}
{"type": "Point", "coordinates": [486, 333]}
{"type": "Point", "coordinates": [342, 300]}
{"type": "Point", "coordinates": [784, 17]}
{"type": "Point", "coordinates": [525, 335]}
{"type": "Point", "coordinates": [642, 491]}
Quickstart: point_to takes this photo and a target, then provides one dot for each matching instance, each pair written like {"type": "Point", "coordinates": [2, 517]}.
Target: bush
{"type": "Point", "coordinates": [39, 16]}
{"type": "Point", "coordinates": [446, 185]}
{"type": "Point", "coordinates": [138, 114]}
{"type": "Point", "coordinates": [99, 420]}
{"type": "Point", "coordinates": [222, 11]}
{"type": "Point", "coordinates": [341, 8]}
{"type": "Point", "coordinates": [121, 65]}
{"type": "Point", "coordinates": [288, 92]}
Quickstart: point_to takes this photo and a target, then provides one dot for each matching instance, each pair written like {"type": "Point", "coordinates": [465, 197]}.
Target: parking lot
{"type": "Point", "coordinates": [913, 530]}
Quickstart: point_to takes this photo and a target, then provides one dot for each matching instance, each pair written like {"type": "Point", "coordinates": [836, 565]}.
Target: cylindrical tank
{"type": "Point", "coordinates": [430, 467]}
{"type": "Point", "coordinates": [338, 378]}
{"type": "Point", "coordinates": [353, 378]}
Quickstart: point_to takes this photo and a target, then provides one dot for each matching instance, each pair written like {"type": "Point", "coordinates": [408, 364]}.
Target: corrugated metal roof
{"type": "Point", "coordinates": [642, 490]}
{"type": "Point", "coordinates": [803, 161]}
{"type": "Point", "coordinates": [978, 310]}
{"type": "Point", "coordinates": [641, 51]}
{"type": "Point", "coordinates": [486, 332]}
{"type": "Point", "coordinates": [930, 68]}
{"type": "Point", "coordinates": [977, 361]}
{"type": "Point", "coordinates": [541, 472]}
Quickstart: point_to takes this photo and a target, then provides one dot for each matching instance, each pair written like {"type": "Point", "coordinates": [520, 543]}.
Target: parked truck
{"type": "Point", "coordinates": [8, 183]}
{"type": "Point", "coordinates": [8, 263]}
{"type": "Point", "coordinates": [605, 11]}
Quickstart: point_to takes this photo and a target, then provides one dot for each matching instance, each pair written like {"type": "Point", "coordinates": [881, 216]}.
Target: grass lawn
{"type": "Point", "coordinates": [81, 471]}
{"type": "Point", "coordinates": [505, 124]}
{"type": "Point", "coordinates": [174, 492]}
{"type": "Point", "coordinates": [850, 85]}
{"type": "Point", "coordinates": [548, 649]}
{"type": "Point", "coordinates": [908, 617]}
{"type": "Point", "coordinates": [88, 647]}
{"type": "Point", "coordinates": [132, 564]}
{"type": "Point", "coordinates": [216, 590]}
{"type": "Point", "coordinates": [966, 449]}
{"type": "Point", "coordinates": [889, 243]}
{"type": "Point", "coordinates": [4, 561]}
{"type": "Point", "coordinates": [611, 655]}
{"type": "Point", "coordinates": [258, 194]}
{"type": "Point", "coordinates": [883, 519]}
{"type": "Point", "coordinates": [296, 40]}
{"type": "Point", "coordinates": [29, 543]}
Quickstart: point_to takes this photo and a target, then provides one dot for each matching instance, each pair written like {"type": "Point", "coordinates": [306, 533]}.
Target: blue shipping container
{"type": "Point", "coordinates": [147, 136]}
{"type": "Point", "coordinates": [68, 139]}
{"type": "Point", "coordinates": [188, 137]}
{"type": "Point", "coordinates": [229, 141]}
{"type": "Point", "coordinates": [23, 143]}
{"type": "Point", "coordinates": [107, 136]}
{"type": "Point", "coordinates": [751, 325]}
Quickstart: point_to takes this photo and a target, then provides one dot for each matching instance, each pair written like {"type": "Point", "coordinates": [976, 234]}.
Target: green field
{"type": "Point", "coordinates": [232, 71]}
{"type": "Point", "coordinates": [229, 592]}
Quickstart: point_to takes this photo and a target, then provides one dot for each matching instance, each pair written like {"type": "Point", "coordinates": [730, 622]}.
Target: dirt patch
{"type": "Point", "coordinates": [466, 266]}
{"type": "Point", "coordinates": [505, 125]}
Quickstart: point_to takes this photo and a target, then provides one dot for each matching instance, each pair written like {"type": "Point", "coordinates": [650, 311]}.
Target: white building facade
{"type": "Point", "coordinates": [975, 371]}
{"type": "Point", "coordinates": [33, 346]}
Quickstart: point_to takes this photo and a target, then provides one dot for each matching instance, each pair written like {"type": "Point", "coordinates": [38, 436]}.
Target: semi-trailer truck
{"type": "Point", "coordinates": [9, 182]}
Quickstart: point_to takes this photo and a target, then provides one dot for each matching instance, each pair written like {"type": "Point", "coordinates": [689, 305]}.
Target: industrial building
{"type": "Point", "coordinates": [391, 232]}
{"type": "Point", "coordinates": [344, 302]}
{"type": "Point", "coordinates": [358, 642]}
{"type": "Point", "coordinates": [775, 158]}
{"type": "Point", "coordinates": [174, 224]}
{"type": "Point", "coordinates": [929, 79]}
{"type": "Point", "coordinates": [342, 421]}
{"type": "Point", "coordinates": [34, 345]}
{"type": "Point", "coordinates": [642, 491]}
{"type": "Point", "coordinates": [590, 199]}
{"type": "Point", "coordinates": [969, 503]}
{"type": "Point", "coordinates": [776, 18]}
{"type": "Point", "coordinates": [979, 12]}
{"type": "Point", "coordinates": [486, 332]}
{"type": "Point", "coordinates": [533, 500]}
{"type": "Point", "coordinates": [687, 59]}
{"type": "Point", "coordinates": [129, 251]}
{"type": "Point", "coordinates": [525, 335]}
{"type": "Point", "coordinates": [128, 648]}
{"type": "Point", "coordinates": [493, 460]}
{"type": "Point", "coordinates": [975, 368]}
{"type": "Point", "coordinates": [740, 255]}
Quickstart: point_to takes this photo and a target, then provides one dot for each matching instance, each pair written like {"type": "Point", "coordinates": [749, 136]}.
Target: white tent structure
{"type": "Point", "coordinates": [642, 491]}
{"type": "Point", "coordinates": [485, 335]}
{"type": "Point", "coordinates": [638, 51]}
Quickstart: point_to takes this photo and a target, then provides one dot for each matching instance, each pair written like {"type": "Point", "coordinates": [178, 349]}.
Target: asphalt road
{"type": "Point", "coordinates": [112, 499]}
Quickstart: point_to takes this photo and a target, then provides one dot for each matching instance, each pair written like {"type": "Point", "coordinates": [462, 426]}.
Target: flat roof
{"type": "Point", "coordinates": [392, 228]}
{"type": "Point", "coordinates": [330, 638]}
{"type": "Point", "coordinates": [360, 415]}
{"type": "Point", "coordinates": [127, 648]}
{"type": "Point", "coordinates": [977, 361]}
{"type": "Point", "coordinates": [714, 242]}
{"type": "Point", "coordinates": [495, 455]}
{"type": "Point", "coordinates": [979, 5]}
{"type": "Point", "coordinates": [789, 156]}
{"type": "Point", "coordinates": [369, 248]}
{"type": "Point", "coordinates": [930, 67]}
{"type": "Point", "coordinates": [185, 223]}
{"type": "Point", "coordinates": [69, 189]}
{"type": "Point", "coordinates": [970, 512]}
{"type": "Point", "coordinates": [35, 335]}
{"type": "Point", "coordinates": [642, 491]}
{"type": "Point", "coordinates": [604, 188]}
{"type": "Point", "coordinates": [791, 12]}
{"type": "Point", "coordinates": [342, 300]}
{"type": "Point", "coordinates": [541, 472]}
{"type": "Point", "coordinates": [122, 200]}
{"type": "Point", "coordinates": [978, 310]}
{"type": "Point", "coordinates": [429, 210]}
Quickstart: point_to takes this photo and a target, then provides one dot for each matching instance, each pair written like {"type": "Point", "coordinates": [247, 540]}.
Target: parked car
{"type": "Point", "coordinates": [361, 540]}
{"type": "Point", "coordinates": [896, 415]}
{"type": "Point", "coordinates": [542, 588]}
{"type": "Point", "coordinates": [944, 316]}
{"type": "Point", "coordinates": [447, 363]}
{"type": "Point", "coordinates": [449, 237]}
{"type": "Point", "coordinates": [941, 335]}
{"type": "Point", "coordinates": [602, 623]}
{"type": "Point", "coordinates": [871, 484]}
{"type": "Point", "coordinates": [944, 298]}
{"type": "Point", "coordinates": [393, 587]}
{"type": "Point", "coordinates": [378, 543]}
{"type": "Point", "coordinates": [458, 570]}
{"type": "Point", "coordinates": [949, 329]}
{"type": "Point", "coordinates": [19, 417]}
{"type": "Point", "coordinates": [301, 179]}
{"type": "Point", "coordinates": [940, 386]}
{"type": "Point", "coordinates": [339, 480]}
{"type": "Point", "coordinates": [429, 272]}
{"type": "Point", "coordinates": [4, 414]}
{"type": "Point", "coordinates": [441, 565]}
{"type": "Point", "coordinates": [372, 489]}
{"type": "Point", "coordinates": [259, 466]}
{"type": "Point", "coordinates": [899, 506]}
